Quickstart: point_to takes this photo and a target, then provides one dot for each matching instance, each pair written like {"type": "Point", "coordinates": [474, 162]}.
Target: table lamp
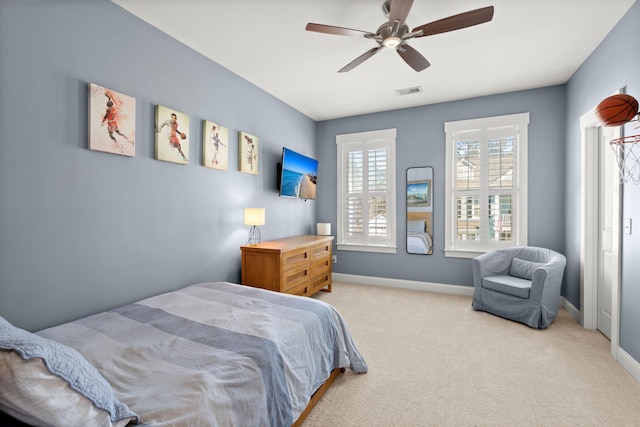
{"type": "Point", "coordinates": [254, 217]}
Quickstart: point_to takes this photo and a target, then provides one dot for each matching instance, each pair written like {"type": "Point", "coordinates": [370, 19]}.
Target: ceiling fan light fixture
{"type": "Point", "coordinates": [392, 42]}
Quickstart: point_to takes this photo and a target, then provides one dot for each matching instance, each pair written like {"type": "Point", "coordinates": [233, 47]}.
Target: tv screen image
{"type": "Point", "coordinates": [299, 175]}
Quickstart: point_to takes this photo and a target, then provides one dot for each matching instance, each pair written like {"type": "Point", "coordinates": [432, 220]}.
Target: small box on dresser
{"type": "Point", "coordinates": [299, 265]}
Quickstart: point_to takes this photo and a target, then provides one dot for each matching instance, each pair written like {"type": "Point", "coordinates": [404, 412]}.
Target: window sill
{"type": "Point", "coordinates": [453, 253]}
{"type": "Point", "coordinates": [365, 248]}
{"type": "Point", "coordinates": [474, 252]}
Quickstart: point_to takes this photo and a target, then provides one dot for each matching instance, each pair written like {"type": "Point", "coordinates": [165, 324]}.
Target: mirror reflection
{"type": "Point", "coordinates": [420, 210]}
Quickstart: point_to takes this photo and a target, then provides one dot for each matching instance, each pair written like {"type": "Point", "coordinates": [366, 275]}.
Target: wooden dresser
{"type": "Point", "coordinates": [298, 265]}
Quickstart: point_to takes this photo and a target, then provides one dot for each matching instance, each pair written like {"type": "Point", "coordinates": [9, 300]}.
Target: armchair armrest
{"type": "Point", "coordinates": [547, 280]}
{"type": "Point", "coordinates": [495, 263]}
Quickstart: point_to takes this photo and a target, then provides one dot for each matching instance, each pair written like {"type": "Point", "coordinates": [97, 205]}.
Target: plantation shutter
{"type": "Point", "coordinates": [468, 181]}
{"type": "Point", "coordinates": [365, 192]}
{"type": "Point", "coordinates": [354, 197]}
{"type": "Point", "coordinates": [486, 172]}
{"type": "Point", "coordinates": [501, 149]}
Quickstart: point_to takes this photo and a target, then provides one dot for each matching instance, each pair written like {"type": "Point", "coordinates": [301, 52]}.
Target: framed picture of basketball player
{"type": "Point", "coordinates": [215, 145]}
{"type": "Point", "coordinates": [112, 121]}
{"type": "Point", "coordinates": [172, 135]}
{"type": "Point", "coordinates": [248, 153]}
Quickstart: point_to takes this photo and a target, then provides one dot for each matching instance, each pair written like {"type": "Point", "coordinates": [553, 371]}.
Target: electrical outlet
{"type": "Point", "coordinates": [334, 259]}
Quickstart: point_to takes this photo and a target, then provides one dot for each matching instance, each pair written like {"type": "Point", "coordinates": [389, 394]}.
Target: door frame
{"type": "Point", "coordinates": [590, 215]}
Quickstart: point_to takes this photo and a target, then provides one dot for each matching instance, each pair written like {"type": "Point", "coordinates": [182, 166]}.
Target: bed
{"type": "Point", "coordinates": [418, 243]}
{"type": "Point", "coordinates": [418, 239]}
{"type": "Point", "coordinates": [209, 354]}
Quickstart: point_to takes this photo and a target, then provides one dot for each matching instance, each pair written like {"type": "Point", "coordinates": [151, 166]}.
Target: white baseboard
{"type": "Point", "coordinates": [571, 309]}
{"type": "Point", "coordinates": [404, 284]}
{"type": "Point", "coordinates": [625, 360]}
{"type": "Point", "coordinates": [630, 364]}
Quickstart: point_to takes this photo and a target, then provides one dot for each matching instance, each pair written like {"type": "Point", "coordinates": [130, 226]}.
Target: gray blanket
{"type": "Point", "coordinates": [215, 354]}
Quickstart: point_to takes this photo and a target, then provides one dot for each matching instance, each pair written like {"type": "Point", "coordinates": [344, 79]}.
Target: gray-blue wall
{"type": "Point", "coordinates": [613, 65]}
{"type": "Point", "coordinates": [421, 142]}
{"type": "Point", "coordinates": [82, 231]}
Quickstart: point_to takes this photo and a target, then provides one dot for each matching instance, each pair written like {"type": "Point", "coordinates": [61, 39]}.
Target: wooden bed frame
{"type": "Point", "coordinates": [317, 396]}
{"type": "Point", "coordinates": [417, 216]}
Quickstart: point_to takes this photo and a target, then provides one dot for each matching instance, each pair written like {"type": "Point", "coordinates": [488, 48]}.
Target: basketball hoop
{"type": "Point", "coordinates": [617, 110]}
{"type": "Point", "coordinates": [627, 153]}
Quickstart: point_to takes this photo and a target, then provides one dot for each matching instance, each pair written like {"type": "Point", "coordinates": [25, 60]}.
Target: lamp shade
{"type": "Point", "coordinates": [323, 229]}
{"type": "Point", "coordinates": [254, 216]}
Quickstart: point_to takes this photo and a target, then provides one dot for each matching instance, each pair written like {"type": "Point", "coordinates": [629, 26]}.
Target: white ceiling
{"type": "Point", "coordinates": [528, 44]}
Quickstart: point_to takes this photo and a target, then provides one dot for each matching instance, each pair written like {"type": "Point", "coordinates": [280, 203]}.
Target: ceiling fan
{"type": "Point", "coordinates": [395, 33]}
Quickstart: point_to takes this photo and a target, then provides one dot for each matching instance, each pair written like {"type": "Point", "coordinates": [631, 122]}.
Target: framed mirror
{"type": "Point", "coordinates": [420, 210]}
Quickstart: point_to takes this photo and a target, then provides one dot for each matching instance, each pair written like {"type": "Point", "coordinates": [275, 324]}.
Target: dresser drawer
{"type": "Point", "coordinates": [321, 265]}
{"type": "Point", "coordinates": [301, 289]}
{"type": "Point", "coordinates": [321, 251]}
{"type": "Point", "coordinates": [294, 277]}
{"type": "Point", "coordinates": [295, 258]}
{"type": "Point", "coordinates": [320, 280]}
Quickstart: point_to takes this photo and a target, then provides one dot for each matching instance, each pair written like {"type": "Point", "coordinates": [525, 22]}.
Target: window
{"type": "Point", "coordinates": [486, 197]}
{"type": "Point", "coordinates": [366, 191]}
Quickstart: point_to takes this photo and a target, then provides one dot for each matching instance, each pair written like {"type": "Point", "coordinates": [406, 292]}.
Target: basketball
{"type": "Point", "coordinates": [617, 110]}
{"type": "Point", "coordinates": [183, 135]}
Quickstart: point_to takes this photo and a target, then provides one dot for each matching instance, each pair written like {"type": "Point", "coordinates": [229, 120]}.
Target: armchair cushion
{"type": "Point", "coordinates": [523, 269]}
{"type": "Point", "coordinates": [508, 285]}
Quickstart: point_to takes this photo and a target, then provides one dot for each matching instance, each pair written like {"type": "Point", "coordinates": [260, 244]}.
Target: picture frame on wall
{"type": "Point", "coordinates": [112, 121]}
{"type": "Point", "coordinates": [248, 153]}
{"type": "Point", "coordinates": [419, 193]}
{"type": "Point", "coordinates": [172, 137]}
{"type": "Point", "coordinates": [215, 145]}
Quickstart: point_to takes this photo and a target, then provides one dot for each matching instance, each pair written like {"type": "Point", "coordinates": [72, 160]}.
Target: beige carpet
{"type": "Point", "coordinates": [433, 361]}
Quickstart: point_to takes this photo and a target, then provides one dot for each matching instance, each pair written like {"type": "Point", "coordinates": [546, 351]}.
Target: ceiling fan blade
{"type": "Point", "coordinates": [339, 31]}
{"type": "Point", "coordinates": [457, 22]}
{"type": "Point", "coordinates": [398, 10]}
{"type": "Point", "coordinates": [413, 57]}
{"type": "Point", "coordinates": [360, 59]}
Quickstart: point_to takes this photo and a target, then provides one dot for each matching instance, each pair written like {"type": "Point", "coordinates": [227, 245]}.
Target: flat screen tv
{"type": "Point", "coordinates": [298, 175]}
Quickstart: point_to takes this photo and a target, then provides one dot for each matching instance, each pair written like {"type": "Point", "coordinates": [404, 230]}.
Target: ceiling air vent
{"type": "Point", "coordinates": [409, 90]}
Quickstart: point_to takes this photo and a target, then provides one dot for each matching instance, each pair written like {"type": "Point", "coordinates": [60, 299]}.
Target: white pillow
{"type": "Point", "coordinates": [45, 383]}
{"type": "Point", "coordinates": [29, 393]}
{"type": "Point", "coordinates": [416, 226]}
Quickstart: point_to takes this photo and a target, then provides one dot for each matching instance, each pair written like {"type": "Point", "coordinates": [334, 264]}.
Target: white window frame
{"type": "Point", "coordinates": [380, 138]}
{"type": "Point", "coordinates": [468, 248]}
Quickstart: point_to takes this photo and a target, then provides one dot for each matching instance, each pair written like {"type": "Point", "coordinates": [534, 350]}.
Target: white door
{"type": "Point", "coordinates": [608, 178]}
{"type": "Point", "coordinates": [600, 230]}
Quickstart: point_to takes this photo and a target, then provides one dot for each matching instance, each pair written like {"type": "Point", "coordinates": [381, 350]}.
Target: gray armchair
{"type": "Point", "coordinates": [521, 284]}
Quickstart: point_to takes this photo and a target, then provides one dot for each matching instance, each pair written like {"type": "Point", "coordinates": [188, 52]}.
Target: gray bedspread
{"type": "Point", "coordinates": [215, 354]}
